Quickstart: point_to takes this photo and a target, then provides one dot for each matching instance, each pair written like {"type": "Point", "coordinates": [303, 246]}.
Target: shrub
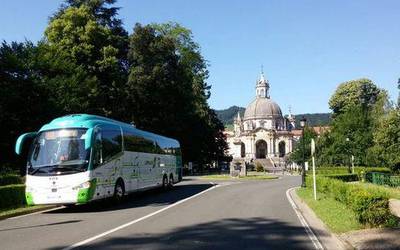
{"type": "Point", "coordinates": [343, 177]}
{"type": "Point", "coordinates": [12, 196]}
{"type": "Point", "coordinates": [370, 204]}
{"type": "Point", "coordinates": [259, 167]}
{"type": "Point", "coordinates": [9, 179]}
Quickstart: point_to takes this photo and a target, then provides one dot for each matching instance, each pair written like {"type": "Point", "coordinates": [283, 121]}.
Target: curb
{"type": "Point", "coordinates": [28, 212]}
{"type": "Point", "coordinates": [328, 239]}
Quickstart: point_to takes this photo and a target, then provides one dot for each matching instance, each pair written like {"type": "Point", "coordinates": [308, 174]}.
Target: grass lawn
{"type": "Point", "coordinates": [11, 212]}
{"type": "Point", "coordinates": [334, 214]}
{"type": "Point", "coordinates": [248, 177]}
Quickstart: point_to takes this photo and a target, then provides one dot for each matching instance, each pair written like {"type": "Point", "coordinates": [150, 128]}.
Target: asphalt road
{"type": "Point", "coordinates": [231, 215]}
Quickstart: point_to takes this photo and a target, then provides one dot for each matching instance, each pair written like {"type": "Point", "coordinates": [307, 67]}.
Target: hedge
{"type": "Point", "coordinates": [324, 170]}
{"type": "Point", "coordinates": [9, 179]}
{"type": "Point", "coordinates": [12, 196]}
{"type": "Point", "coordinates": [383, 179]}
{"type": "Point", "coordinates": [370, 204]}
{"type": "Point", "coordinates": [343, 177]}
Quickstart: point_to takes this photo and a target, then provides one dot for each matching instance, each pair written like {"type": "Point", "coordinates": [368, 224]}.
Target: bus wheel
{"type": "Point", "coordinates": [164, 182]}
{"type": "Point", "coordinates": [119, 191]}
{"type": "Point", "coordinates": [171, 181]}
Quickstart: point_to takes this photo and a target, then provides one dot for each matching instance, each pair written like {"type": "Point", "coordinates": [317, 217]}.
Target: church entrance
{"type": "Point", "coordinates": [261, 149]}
{"type": "Point", "coordinates": [242, 150]}
{"type": "Point", "coordinates": [282, 149]}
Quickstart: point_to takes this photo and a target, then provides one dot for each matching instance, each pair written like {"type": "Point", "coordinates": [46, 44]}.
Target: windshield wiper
{"type": "Point", "coordinates": [73, 162]}
{"type": "Point", "coordinates": [35, 170]}
{"type": "Point", "coordinates": [67, 168]}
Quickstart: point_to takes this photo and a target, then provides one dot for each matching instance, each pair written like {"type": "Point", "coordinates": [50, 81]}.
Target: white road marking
{"type": "Point", "coordinates": [38, 212]}
{"type": "Point", "coordinates": [310, 233]}
{"type": "Point", "coordinates": [84, 242]}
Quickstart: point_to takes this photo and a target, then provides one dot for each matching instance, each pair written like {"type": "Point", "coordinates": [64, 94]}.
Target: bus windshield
{"type": "Point", "coordinates": [59, 151]}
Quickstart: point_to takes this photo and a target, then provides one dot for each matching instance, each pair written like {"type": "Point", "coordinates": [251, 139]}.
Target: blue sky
{"type": "Point", "coordinates": [306, 47]}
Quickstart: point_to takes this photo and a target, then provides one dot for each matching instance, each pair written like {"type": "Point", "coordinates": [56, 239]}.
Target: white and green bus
{"type": "Point", "coordinates": [79, 158]}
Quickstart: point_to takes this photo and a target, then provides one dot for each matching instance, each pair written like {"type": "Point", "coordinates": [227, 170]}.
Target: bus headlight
{"type": "Point", "coordinates": [83, 185]}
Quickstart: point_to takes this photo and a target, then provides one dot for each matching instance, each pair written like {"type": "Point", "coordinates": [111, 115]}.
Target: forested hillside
{"type": "Point", "coordinates": [318, 119]}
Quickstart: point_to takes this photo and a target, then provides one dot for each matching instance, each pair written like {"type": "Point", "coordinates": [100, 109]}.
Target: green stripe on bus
{"type": "Point", "coordinates": [86, 194]}
{"type": "Point", "coordinates": [29, 199]}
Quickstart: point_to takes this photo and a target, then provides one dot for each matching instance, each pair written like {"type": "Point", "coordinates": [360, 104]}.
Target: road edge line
{"type": "Point", "coordinates": [39, 211]}
{"type": "Point", "coordinates": [309, 231]}
{"type": "Point", "coordinates": [84, 242]}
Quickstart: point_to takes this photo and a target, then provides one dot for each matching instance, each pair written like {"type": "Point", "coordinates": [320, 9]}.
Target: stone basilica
{"type": "Point", "coordinates": [263, 132]}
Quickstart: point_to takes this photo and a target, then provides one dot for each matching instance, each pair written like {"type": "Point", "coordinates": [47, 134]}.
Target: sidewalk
{"type": "Point", "coordinates": [366, 239]}
{"type": "Point", "coordinates": [329, 240]}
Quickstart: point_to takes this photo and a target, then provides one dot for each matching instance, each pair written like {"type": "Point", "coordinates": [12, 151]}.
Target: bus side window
{"type": "Point", "coordinates": [98, 152]}
{"type": "Point", "coordinates": [111, 144]}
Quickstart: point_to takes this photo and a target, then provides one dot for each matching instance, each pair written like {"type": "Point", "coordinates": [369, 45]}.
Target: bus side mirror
{"type": "Point", "coordinates": [19, 145]}
{"type": "Point", "coordinates": [88, 138]}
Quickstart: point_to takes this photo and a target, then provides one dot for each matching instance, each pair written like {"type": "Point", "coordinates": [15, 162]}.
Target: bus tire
{"type": "Point", "coordinates": [119, 191]}
{"type": "Point", "coordinates": [165, 182]}
{"type": "Point", "coordinates": [171, 181]}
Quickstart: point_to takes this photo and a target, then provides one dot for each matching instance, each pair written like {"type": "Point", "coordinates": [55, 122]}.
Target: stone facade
{"type": "Point", "coordinates": [263, 132]}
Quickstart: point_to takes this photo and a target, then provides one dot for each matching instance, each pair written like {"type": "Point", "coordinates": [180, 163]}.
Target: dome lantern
{"type": "Point", "coordinates": [262, 87]}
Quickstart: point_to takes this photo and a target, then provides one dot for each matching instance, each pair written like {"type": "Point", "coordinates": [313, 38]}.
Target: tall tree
{"type": "Point", "coordinates": [24, 99]}
{"type": "Point", "coordinates": [348, 94]}
{"type": "Point", "coordinates": [386, 150]}
{"type": "Point", "coordinates": [358, 107]}
{"type": "Point", "coordinates": [85, 46]}
{"type": "Point", "coordinates": [164, 92]}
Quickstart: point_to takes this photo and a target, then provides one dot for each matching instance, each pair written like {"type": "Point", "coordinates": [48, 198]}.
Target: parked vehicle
{"type": "Point", "coordinates": [80, 158]}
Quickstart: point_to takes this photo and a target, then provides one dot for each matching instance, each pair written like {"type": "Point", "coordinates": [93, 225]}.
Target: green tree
{"type": "Point", "coordinates": [24, 99]}
{"type": "Point", "coordinates": [356, 92]}
{"type": "Point", "coordinates": [350, 134]}
{"type": "Point", "coordinates": [85, 47]}
{"type": "Point", "coordinates": [387, 141]}
{"type": "Point", "coordinates": [167, 96]}
{"type": "Point", "coordinates": [303, 146]}
{"type": "Point", "coordinates": [358, 107]}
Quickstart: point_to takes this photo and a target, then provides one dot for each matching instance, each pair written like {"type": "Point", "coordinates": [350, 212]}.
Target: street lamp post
{"type": "Point", "coordinates": [351, 157]}
{"type": "Point", "coordinates": [303, 170]}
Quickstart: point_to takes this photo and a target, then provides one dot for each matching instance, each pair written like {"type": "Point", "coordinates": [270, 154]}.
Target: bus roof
{"type": "Point", "coordinates": [91, 121]}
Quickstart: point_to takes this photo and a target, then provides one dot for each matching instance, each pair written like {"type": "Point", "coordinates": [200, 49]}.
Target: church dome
{"type": "Point", "coordinates": [262, 108]}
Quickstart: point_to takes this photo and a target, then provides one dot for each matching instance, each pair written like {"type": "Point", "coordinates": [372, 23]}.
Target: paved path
{"type": "Point", "coordinates": [232, 215]}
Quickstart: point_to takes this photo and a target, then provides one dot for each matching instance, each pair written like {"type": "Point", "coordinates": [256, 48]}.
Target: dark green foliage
{"type": "Point", "coordinates": [350, 134]}
{"type": "Point", "coordinates": [386, 137]}
{"type": "Point", "coordinates": [167, 91]}
{"type": "Point", "coordinates": [228, 115]}
{"type": "Point", "coordinates": [303, 147]}
{"type": "Point", "coordinates": [24, 98]}
{"type": "Point", "coordinates": [315, 120]}
{"type": "Point", "coordinates": [9, 179]}
{"type": "Point", "coordinates": [325, 170]}
{"type": "Point", "coordinates": [85, 47]}
{"type": "Point", "coordinates": [343, 177]}
{"type": "Point", "coordinates": [382, 178]}
{"type": "Point", "coordinates": [81, 66]}
{"type": "Point", "coordinates": [358, 106]}
{"type": "Point", "coordinates": [370, 204]}
{"type": "Point", "coordinates": [12, 196]}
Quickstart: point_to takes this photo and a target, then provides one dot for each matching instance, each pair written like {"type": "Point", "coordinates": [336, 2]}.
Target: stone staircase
{"type": "Point", "coordinates": [271, 165]}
